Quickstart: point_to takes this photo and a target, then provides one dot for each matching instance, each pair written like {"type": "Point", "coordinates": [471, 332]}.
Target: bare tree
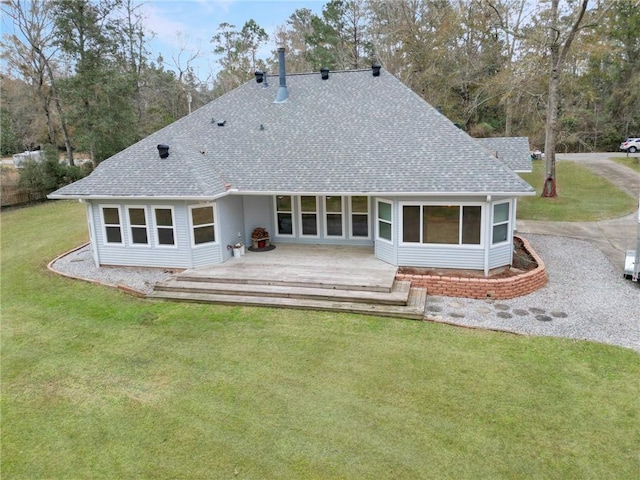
{"type": "Point", "coordinates": [559, 45]}
{"type": "Point", "coordinates": [33, 51]}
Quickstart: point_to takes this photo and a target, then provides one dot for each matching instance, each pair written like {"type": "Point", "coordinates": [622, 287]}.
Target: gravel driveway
{"type": "Point", "coordinates": [586, 298]}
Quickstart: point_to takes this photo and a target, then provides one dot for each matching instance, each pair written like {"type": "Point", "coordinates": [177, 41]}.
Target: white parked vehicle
{"type": "Point", "coordinates": [631, 145]}
{"type": "Point", "coordinates": [632, 258]}
{"type": "Point", "coordinates": [19, 159]}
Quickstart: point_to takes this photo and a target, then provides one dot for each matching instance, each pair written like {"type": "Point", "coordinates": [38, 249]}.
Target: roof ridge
{"type": "Point", "coordinates": [300, 74]}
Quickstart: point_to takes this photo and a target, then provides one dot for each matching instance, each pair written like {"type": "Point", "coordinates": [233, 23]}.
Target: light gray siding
{"type": "Point", "coordinates": [150, 255]}
{"type": "Point", "coordinates": [258, 212]}
{"type": "Point", "coordinates": [461, 256]}
{"type": "Point", "coordinates": [231, 222]}
{"type": "Point", "coordinates": [208, 253]}
{"type": "Point", "coordinates": [501, 255]}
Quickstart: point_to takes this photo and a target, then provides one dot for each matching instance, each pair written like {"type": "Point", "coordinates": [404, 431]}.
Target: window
{"type": "Point", "coordinates": [165, 226]}
{"type": "Point", "coordinates": [334, 218]}
{"type": "Point", "coordinates": [112, 225]}
{"type": "Point", "coordinates": [500, 222]}
{"type": "Point", "coordinates": [384, 220]}
{"type": "Point", "coordinates": [202, 224]}
{"type": "Point", "coordinates": [360, 217]}
{"type": "Point", "coordinates": [138, 225]}
{"type": "Point", "coordinates": [471, 224]}
{"type": "Point", "coordinates": [284, 215]}
{"type": "Point", "coordinates": [442, 224]}
{"type": "Point", "coordinates": [309, 216]}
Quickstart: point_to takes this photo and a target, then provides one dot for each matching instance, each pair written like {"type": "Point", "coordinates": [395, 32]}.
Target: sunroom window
{"type": "Point", "coordinates": [309, 215]}
{"type": "Point", "coordinates": [202, 224]}
{"type": "Point", "coordinates": [500, 222]}
{"type": "Point", "coordinates": [138, 225]}
{"type": "Point", "coordinates": [112, 225]}
{"type": "Point", "coordinates": [284, 215]}
{"type": "Point", "coordinates": [165, 226]}
{"type": "Point", "coordinates": [333, 215]}
{"type": "Point", "coordinates": [384, 220]}
{"type": "Point", "coordinates": [360, 216]}
{"type": "Point", "coordinates": [441, 224]}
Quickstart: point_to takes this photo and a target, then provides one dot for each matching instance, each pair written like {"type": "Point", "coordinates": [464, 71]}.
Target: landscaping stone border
{"type": "Point", "coordinates": [495, 288]}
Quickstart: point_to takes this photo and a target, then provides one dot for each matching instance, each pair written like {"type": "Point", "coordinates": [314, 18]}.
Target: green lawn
{"type": "Point", "coordinates": [631, 162]}
{"type": "Point", "coordinates": [582, 196]}
{"type": "Point", "coordinates": [97, 384]}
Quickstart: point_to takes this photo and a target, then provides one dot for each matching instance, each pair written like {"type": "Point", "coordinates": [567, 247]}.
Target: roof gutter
{"type": "Point", "coordinates": [136, 197]}
{"type": "Point", "coordinates": [388, 194]}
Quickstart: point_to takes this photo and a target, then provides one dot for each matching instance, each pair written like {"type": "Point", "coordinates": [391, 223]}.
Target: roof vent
{"type": "Point", "coordinates": [163, 150]}
{"type": "Point", "coordinates": [259, 76]}
{"type": "Point", "coordinates": [282, 89]}
{"type": "Point", "coordinates": [324, 73]}
{"type": "Point", "coordinates": [376, 69]}
{"type": "Point", "coordinates": [221, 123]}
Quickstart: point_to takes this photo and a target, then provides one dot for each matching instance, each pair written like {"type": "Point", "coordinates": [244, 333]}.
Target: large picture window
{"type": "Point", "coordinates": [112, 225]}
{"type": "Point", "coordinates": [308, 216]}
{"type": "Point", "coordinates": [500, 222]}
{"type": "Point", "coordinates": [165, 226]}
{"type": "Point", "coordinates": [333, 216]}
{"type": "Point", "coordinates": [284, 215]}
{"type": "Point", "coordinates": [442, 224]}
{"type": "Point", "coordinates": [202, 224]}
{"type": "Point", "coordinates": [138, 225]}
{"type": "Point", "coordinates": [384, 220]}
{"type": "Point", "coordinates": [360, 216]}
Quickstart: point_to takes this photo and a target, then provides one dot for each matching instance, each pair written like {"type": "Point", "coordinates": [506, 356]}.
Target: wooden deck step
{"type": "Point", "coordinates": [398, 296]}
{"type": "Point", "coordinates": [294, 276]}
{"type": "Point", "coordinates": [413, 310]}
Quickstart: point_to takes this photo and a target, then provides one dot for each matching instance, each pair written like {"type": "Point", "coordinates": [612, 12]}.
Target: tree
{"type": "Point", "coordinates": [238, 54]}
{"type": "Point", "coordinates": [560, 41]}
{"type": "Point", "coordinates": [99, 96]}
{"type": "Point", "coordinates": [32, 53]}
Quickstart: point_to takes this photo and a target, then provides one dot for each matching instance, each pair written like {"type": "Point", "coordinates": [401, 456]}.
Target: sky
{"type": "Point", "coordinates": [182, 28]}
{"type": "Point", "coordinates": [178, 29]}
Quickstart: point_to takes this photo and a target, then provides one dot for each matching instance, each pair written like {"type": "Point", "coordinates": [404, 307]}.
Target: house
{"type": "Point", "coordinates": [344, 158]}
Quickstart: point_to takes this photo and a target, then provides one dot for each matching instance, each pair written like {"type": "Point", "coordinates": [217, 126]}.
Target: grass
{"type": "Point", "coordinates": [632, 162]}
{"type": "Point", "coordinates": [97, 384]}
{"type": "Point", "coordinates": [582, 196]}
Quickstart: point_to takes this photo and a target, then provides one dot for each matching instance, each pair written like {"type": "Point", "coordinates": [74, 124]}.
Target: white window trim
{"type": "Point", "coordinates": [507, 222]}
{"type": "Point", "coordinates": [351, 213]}
{"type": "Point", "coordinates": [130, 226]}
{"type": "Point", "coordinates": [440, 204]}
{"type": "Point", "coordinates": [317, 214]}
{"type": "Point", "coordinates": [192, 226]}
{"type": "Point", "coordinates": [326, 220]}
{"type": "Point", "coordinates": [378, 219]}
{"type": "Point", "coordinates": [156, 237]}
{"type": "Point", "coordinates": [292, 213]}
{"type": "Point", "coordinates": [105, 225]}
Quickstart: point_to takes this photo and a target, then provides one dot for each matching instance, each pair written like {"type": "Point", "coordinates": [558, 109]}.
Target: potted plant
{"type": "Point", "coordinates": [260, 237]}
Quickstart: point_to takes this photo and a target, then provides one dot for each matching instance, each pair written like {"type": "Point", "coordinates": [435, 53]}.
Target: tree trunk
{"type": "Point", "coordinates": [63, 123]}
{"type": "Point", "coordinates": [559, 50]}
{"type": "Point", "coordinates": [551, 128]}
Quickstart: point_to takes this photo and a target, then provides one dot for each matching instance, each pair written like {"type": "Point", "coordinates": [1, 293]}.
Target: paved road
{"type": "Point", "coordinates": [614, 237]}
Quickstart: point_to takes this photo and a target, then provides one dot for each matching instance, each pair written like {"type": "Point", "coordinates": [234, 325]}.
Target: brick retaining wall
{"type": "Point", "coordinates": [479, 287]}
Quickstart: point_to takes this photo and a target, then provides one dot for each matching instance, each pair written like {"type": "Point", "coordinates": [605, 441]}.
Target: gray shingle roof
{"type": "Point", "coordinates": [352, 133]}
{"type": "Point", "coordinates": [514, 151]}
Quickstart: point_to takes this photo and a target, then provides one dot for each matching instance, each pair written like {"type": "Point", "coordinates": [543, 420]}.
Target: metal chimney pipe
{"type": "Point", "coordinates": [282, 89]}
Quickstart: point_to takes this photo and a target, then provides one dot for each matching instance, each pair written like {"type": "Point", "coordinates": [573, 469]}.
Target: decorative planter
{"type": "Point", "coordinates": [260, 242]}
